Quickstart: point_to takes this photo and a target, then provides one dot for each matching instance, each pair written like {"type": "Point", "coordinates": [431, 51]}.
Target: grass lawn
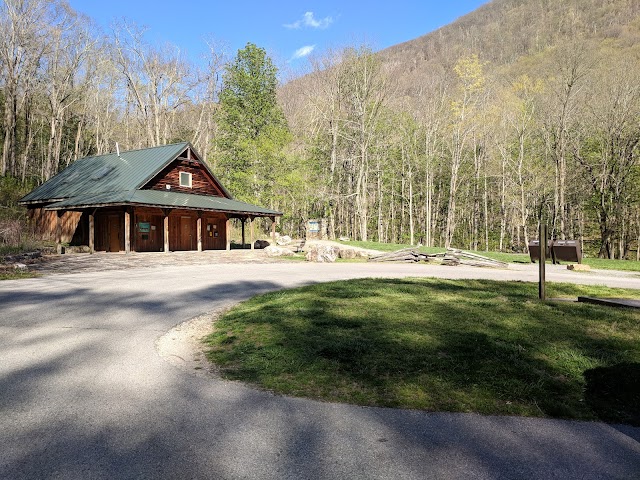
{"type": "Point", "coordinates": [466, 346]}
{"type": "Point", "coordinates": [598, 263]}
{"type": "Point", "coordinates": [16, 274]}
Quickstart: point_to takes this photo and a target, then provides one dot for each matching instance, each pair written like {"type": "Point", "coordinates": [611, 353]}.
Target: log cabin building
{"type": "Point", "coordinates": [154, 199]}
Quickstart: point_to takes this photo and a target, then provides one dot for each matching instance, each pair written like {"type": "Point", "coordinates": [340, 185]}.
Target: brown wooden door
{"type": "Point", "coordinates": [186, 238]}
{"type": "Point", "coordinates": [214, 235]}
{"type": "Point", "coordinates": [113, 233]}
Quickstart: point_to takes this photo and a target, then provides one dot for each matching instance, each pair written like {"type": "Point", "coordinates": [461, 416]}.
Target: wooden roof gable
{"type": "Point", "coordinates": [205, 182]}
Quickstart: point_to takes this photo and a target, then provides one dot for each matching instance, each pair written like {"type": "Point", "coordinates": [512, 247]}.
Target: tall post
{"type": "Point", "coordinates": [543, 258]}
{"type": "Point", "coordinates": [59, 214]}
{"type": "Point", "coordinates": [127, 231]}
{"type": "Point", "coordinates": [251, 232]}
{"type": "Point", "coordinates": [92, 232]}
{"type": "Point", "coordinates": [199, 227]}
{"type": "Point", "coordinates": [166, 230]}
{"type": "Point", "coordinates": [273, 229]}
{"type": "Point", "coordinates": [243, 235]}
{"type": "Point", "coordinates": [228, 233]}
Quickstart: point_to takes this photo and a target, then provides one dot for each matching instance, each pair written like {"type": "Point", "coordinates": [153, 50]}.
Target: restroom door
{"type": "Point", "coordinates": [187, 237]}
{"type": "Point", "coordinates": [113, 233]}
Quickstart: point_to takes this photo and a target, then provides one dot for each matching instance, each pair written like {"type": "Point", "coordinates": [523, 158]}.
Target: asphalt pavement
{"type": "Point", "coordinates": [84, 394]}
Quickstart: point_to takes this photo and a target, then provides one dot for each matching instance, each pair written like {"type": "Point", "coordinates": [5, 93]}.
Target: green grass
{"type": "Point", "coordinates": [464, 346]}
{"type": "Point", "coordinates": [597, 263]}
{"type": "Point", "coordinates": [16, 274]}
{"type": "Point", "coordinates": [606, 264]}
{"type": "Point", "coordinates": [11, 250]}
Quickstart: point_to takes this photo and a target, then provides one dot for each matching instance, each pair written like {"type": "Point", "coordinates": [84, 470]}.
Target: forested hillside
{"type": "Point", "coordinates": [468, 136]}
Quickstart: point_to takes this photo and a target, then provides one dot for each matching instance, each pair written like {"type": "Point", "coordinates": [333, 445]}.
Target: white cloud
{"type": "Point", "coordinates": [308, 20]}
{"type": "Point", "coordinates": [303, 51]}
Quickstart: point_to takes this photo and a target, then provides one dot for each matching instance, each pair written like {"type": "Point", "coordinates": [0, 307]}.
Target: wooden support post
{"type": "Point", "coordinates": [228, 233]}
{"type": "Point", "coordinates": [92, 232]}
{"type": "Point", "coordinates": [127, 231]}
{"type": "Point", "coordinates": [166, 230]}
{"type": "Point", "coordinates": [199, 227]}
{"type": "Point", "coordinates": [251, 232]}
{"type": "Point", "coordinates": [59, 215]}
{"type": "Point", "coordinates": [273, 230]}
{"type": "Point", "coordinates": [543, 258]}
{"type": "Point", "coordinates": [243, 236]}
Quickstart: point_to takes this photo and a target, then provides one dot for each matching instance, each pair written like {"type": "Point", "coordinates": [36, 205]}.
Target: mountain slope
{"type": "Point", "coordinates": [502, 32]}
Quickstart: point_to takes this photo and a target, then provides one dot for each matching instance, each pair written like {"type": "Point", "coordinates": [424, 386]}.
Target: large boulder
{"type": "Point", "coordinates": [260, 244]}
{"type": "Point", "coordinates": [348, 253]}
{"type": "Point", "coordinates": [283, 240]}
{"type": "Point", "coordinates": [323, 254]}
{"type": "Point", "coordinates": [273, 251]}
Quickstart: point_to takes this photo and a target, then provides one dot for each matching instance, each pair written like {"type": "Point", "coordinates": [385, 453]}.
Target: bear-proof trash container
{"type": "Point", "coordinates": [534, 250]}
{"type": "Point", "coordinates": [567, 251]}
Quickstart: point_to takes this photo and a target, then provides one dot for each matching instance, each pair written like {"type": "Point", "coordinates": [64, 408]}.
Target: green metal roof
{"type": "Point", "coordinates": [106, 173]}
{"type": "Point", "coordinates": [114, 179]}
{"type": "Point", "coordinates": [164, 199]}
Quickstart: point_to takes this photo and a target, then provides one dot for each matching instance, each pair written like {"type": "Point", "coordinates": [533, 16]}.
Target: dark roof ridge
{"type": "Point", "coordinates": [129, 151]}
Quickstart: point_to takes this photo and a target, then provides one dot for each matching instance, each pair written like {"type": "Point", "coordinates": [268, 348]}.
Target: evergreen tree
{"type": "Point", "coordinates": [252, 128]}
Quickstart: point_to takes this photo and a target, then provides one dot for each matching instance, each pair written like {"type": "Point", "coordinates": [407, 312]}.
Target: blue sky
{"type": "Point", "coordinates": [288, 30]}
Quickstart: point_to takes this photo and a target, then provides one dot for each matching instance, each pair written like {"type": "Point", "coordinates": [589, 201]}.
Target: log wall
{"type": "Point", "coordinates": [201, 182]}
{"type": "Point", "coordinates": [43, 224]}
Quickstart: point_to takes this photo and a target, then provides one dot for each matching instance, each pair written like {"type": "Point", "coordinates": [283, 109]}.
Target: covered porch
{"type": "Point", "coordinates": [141, 228]}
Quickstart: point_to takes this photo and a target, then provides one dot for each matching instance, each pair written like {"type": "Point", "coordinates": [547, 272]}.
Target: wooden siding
{"type": "Point", "coordinates": [109, 229]}
{"type": "Point", "coordinates": [43, 224]}
{"type": "Point", "coordinates": [201, 182]}
{"type": "Point", "coordinates": [147, 237]}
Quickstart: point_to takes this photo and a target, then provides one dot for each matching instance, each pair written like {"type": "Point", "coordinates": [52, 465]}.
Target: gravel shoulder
{"type": "Point", "coordinates": [182, 346]}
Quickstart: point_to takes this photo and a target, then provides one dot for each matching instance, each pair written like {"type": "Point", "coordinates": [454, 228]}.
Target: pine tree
{"type": "Point", "coordinates": [252, 128]}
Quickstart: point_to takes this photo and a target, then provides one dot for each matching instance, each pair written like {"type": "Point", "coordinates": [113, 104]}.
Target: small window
{"type": "Point", "coordinates": [185, 179]}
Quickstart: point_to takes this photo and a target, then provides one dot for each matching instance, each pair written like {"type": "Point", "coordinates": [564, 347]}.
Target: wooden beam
{"type": "Point", "coordinates": [199, 228]}
{"type": "Point", "coordinates": [92, 232]}
{"type": "Point", "coordinates": [243, 236]}
{"type": "Point", "coordinates": [134, 243]}
{"type": "Point", "coordinates": [165, 229]}
{"type": "Point", "coordinates": [59, 215]}
{"type": "Point", "coordinates": [127, 231]}
{"type": "Point", "coordinates": [251, 232]}
{"type": "Point", "coordinates": [273, 229]}
{"type": "Point", "coordinates": [228, 233]}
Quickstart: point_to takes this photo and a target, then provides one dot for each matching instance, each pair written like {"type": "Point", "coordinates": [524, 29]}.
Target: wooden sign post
{"type": "Point", "coordinates": [543, 259]}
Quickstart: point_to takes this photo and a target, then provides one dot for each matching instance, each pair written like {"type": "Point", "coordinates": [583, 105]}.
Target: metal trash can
{"type": "Point", "coordinates": [567, 251]}
{"type": "Point", "coordinates": [534, 250]}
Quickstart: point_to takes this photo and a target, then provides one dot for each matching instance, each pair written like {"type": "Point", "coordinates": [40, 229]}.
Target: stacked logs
{"type": "Point", "coordinates": [451, 257]}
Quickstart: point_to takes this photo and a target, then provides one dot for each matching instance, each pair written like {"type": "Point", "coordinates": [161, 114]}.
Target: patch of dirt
{"type": "Point", "coordinates": [182, 345]}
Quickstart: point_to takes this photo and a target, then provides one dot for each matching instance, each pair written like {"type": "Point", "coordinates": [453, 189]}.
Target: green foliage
{"type": "Point", "coordinates": [252, 128]}
{"type": "Point", "coordinates": [12, 190]}
{"type": "Point", "coordinates": [472, 346]}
